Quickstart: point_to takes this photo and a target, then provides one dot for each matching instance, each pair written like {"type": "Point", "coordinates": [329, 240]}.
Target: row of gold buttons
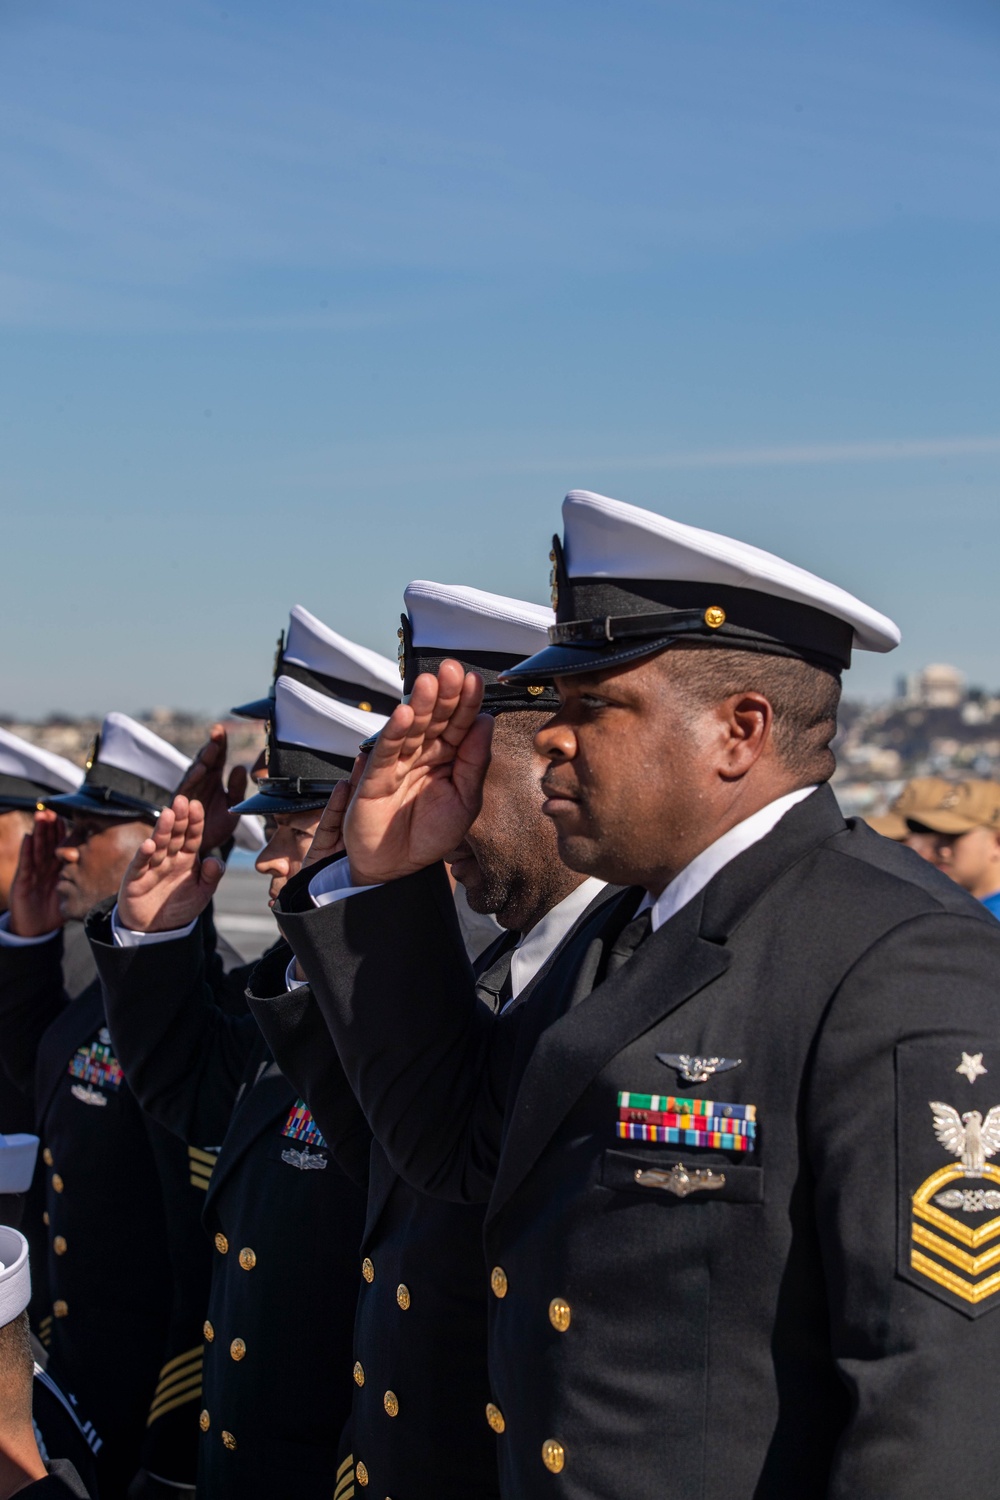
{"type": "Point", "coordinates": [248, 1257]}
{"type": "Point", "coordinates": [560, 1316]}
{"type": "Point", "coordinates": [205, 1422]}
{"type": "Point", "coordinates": [237, 1348]}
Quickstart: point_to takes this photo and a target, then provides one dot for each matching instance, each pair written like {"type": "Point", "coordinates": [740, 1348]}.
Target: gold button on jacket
{"type": "Point", "coordinates": [403, 1295]}
{"type": "Point", "coordinates": [553, 1456]}
{"type": "Point", "coordinates": [247, 1258]}
{"type": "Point", "coordinates": [59, 1244]}
{"type": "Point", "coordinates": [204, 1421]}
{"type": "Point", "coordinates": [560, 1314]}
{"type": "Point", "coordinates": [228, 1441]}
{"type": "Point", "coordinates": [208, 1331]}
{"type": "Point", "coordinates": [237, 1349]}
{"type": "Point", "coordinates": [47, 1157]}
{"type": "Point", "coordinates": [495, 1417]}
{"type": "Point", "coordinates": [498, 1281]}
{"type": "Point", "coordinates": [367, 1270]}
{"type": "Point", "coordinates": [359, 1373]}
{"type": "Point", "coordinates": [221, 1244]}
{"type": "Point", "coordinates": [391, 1403]}
{"type": "Point", "coordinates": [57, 1183]}
{"type": "Point", "coordinates": [360, 1472]}
{"type": "Point", "coordinates": [60, 1308]}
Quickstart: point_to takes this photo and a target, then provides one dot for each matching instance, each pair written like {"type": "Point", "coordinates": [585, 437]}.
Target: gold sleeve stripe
{"type": "Point", "coordinates": [199, 1182]}
{"type": "Point", "coordinates": [175, 1388]}
{"type": "Point", "coordinates": [197, 1170]}
{"type": "Point", "coordinates": [181, 1373]}
{"type": "Point", "coordinates": [345, 1487]}
{"type": "Point", "coordinates": [171, 1387]}
{"type": "Point", "coordinates": [347, 1464]}
{"type": "Point", "coordinates": [179, 1359]}
{"type": "Point", "coordinates": [204, 1156]}
{"type": "Point", "coordinates": [164, 1406]}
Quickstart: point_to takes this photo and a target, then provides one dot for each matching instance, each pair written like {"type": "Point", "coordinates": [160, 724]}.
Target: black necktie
{"type": "Point", "coordinates": [494, 985]}
{"type": "Point", "coordinates": [627, 941]}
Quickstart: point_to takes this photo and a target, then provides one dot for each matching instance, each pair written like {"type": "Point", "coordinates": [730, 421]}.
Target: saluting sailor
{"type": "Point", "coordinates": [128, 1267]}
{"type": "Point", "coordinates": [29, 773]}
{"type": "Point", "coordinates": [735, 1242]}
{"type": "Point", "coordinates": [285, 1206]}
{"type": "Point", "coordinates": [419, 1359]}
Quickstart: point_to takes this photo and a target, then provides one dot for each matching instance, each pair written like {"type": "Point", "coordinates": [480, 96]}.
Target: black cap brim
{"type": "Point", "coordinates": [264, 803]}
{"type": "Point", "coordinates": [260, 708]}
{"type": "Point", "coordinates": [26, 804]}
{"type": "Point", "coordinates": [568, 661]}
{"type": "Point", "coordinates": [103, 805]}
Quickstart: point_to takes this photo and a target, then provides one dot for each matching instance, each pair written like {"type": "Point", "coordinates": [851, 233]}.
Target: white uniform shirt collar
{"type": "Point", "coordinates": [695, 876]}
{"type": "Point", "coordinates": [537, 945]}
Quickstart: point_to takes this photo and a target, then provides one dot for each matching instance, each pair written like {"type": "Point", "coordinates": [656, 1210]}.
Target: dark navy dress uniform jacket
{"type": "Point", "coordinates": [820, 1319]}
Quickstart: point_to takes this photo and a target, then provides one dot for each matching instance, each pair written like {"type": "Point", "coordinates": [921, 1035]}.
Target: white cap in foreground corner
{"type": "Point", "coordinates": [15, 1275]}
{"type": "Point", "coordinates": [487, 633]}
{"type": "Point", "coordinates": [627, 582]}
{"type": "Point", "coordinates": [28, 774]}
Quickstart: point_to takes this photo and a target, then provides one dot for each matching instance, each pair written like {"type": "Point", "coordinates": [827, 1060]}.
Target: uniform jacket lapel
{"type": "Point", "coordinates": [263, 1102]}
{"type": "Point", "coordinates": [589, 1027]}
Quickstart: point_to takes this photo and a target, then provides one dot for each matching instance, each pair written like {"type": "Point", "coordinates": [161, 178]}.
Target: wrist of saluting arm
{"type": "Point", "coordinates": [333, 882]}
{"type": "Point", "coordinates": [10, 939]}
{"type": "Point", "coordinates": [126, 937]}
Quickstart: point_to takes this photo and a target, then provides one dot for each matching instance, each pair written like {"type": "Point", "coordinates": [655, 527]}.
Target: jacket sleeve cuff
{"type": "Point", "coordinates": [333, 883]}
{"type": "Point", "coordinates": [124, 937]}
{"type": "Point", "coordinates": [10, 939]}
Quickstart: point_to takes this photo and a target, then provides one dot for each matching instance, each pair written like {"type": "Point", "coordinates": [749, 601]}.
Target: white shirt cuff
{"type": "Point", "coordinates": [124, 937]}
{"type": "Point", "coordinates": [333, 883]}
{"type": "Point", "coordinates": [10, 939]}
{"type": "Point", "coordinates": [292, 982]}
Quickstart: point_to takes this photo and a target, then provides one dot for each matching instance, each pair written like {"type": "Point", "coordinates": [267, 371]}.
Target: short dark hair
{"type": "Point", "coordinates": [804, 697]}
{"type": "Point", "coordinates": [17, 1369]}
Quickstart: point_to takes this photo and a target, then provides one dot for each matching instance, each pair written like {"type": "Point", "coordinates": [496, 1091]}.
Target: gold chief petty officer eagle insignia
{"type": "Point", "coordinates": [958, 1254]}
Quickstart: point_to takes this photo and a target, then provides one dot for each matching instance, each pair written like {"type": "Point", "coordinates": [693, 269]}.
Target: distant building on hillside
{"type": "Point", "coordinates": [937, 686]}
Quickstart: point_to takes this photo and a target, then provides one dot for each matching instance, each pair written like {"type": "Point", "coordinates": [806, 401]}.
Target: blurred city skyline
{"type": "Point", "coordinates": [298, 304]}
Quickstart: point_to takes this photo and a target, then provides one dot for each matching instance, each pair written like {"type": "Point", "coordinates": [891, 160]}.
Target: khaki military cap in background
{"type": "Point", "coordinates": [958, 807]}
{"type": "Point", "coordinates": [920, 794]}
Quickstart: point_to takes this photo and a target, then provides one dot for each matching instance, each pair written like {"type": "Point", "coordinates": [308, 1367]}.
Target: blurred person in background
{"type": "Point", "coordinates": [920, 792]}
{"type": "Point", "coordinates": [960, 827]}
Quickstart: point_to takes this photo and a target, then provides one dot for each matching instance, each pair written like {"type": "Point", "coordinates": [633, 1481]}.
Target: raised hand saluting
{"type": "Point", "coordinates": [422, 787]}
{"type": "Point", "coordinates": [34, 898]}
{"type": "Point", "coordinates": [204, 779]}
{"type": "Point", "coordinates": [168, 883]}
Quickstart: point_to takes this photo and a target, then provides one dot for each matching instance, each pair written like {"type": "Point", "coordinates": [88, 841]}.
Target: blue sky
{"type": "Point", "coordinates": [298, 302]}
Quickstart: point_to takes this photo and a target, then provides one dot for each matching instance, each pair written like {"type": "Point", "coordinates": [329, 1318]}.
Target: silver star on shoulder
{"type": "Point", "coordinates": [972, 1066]}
